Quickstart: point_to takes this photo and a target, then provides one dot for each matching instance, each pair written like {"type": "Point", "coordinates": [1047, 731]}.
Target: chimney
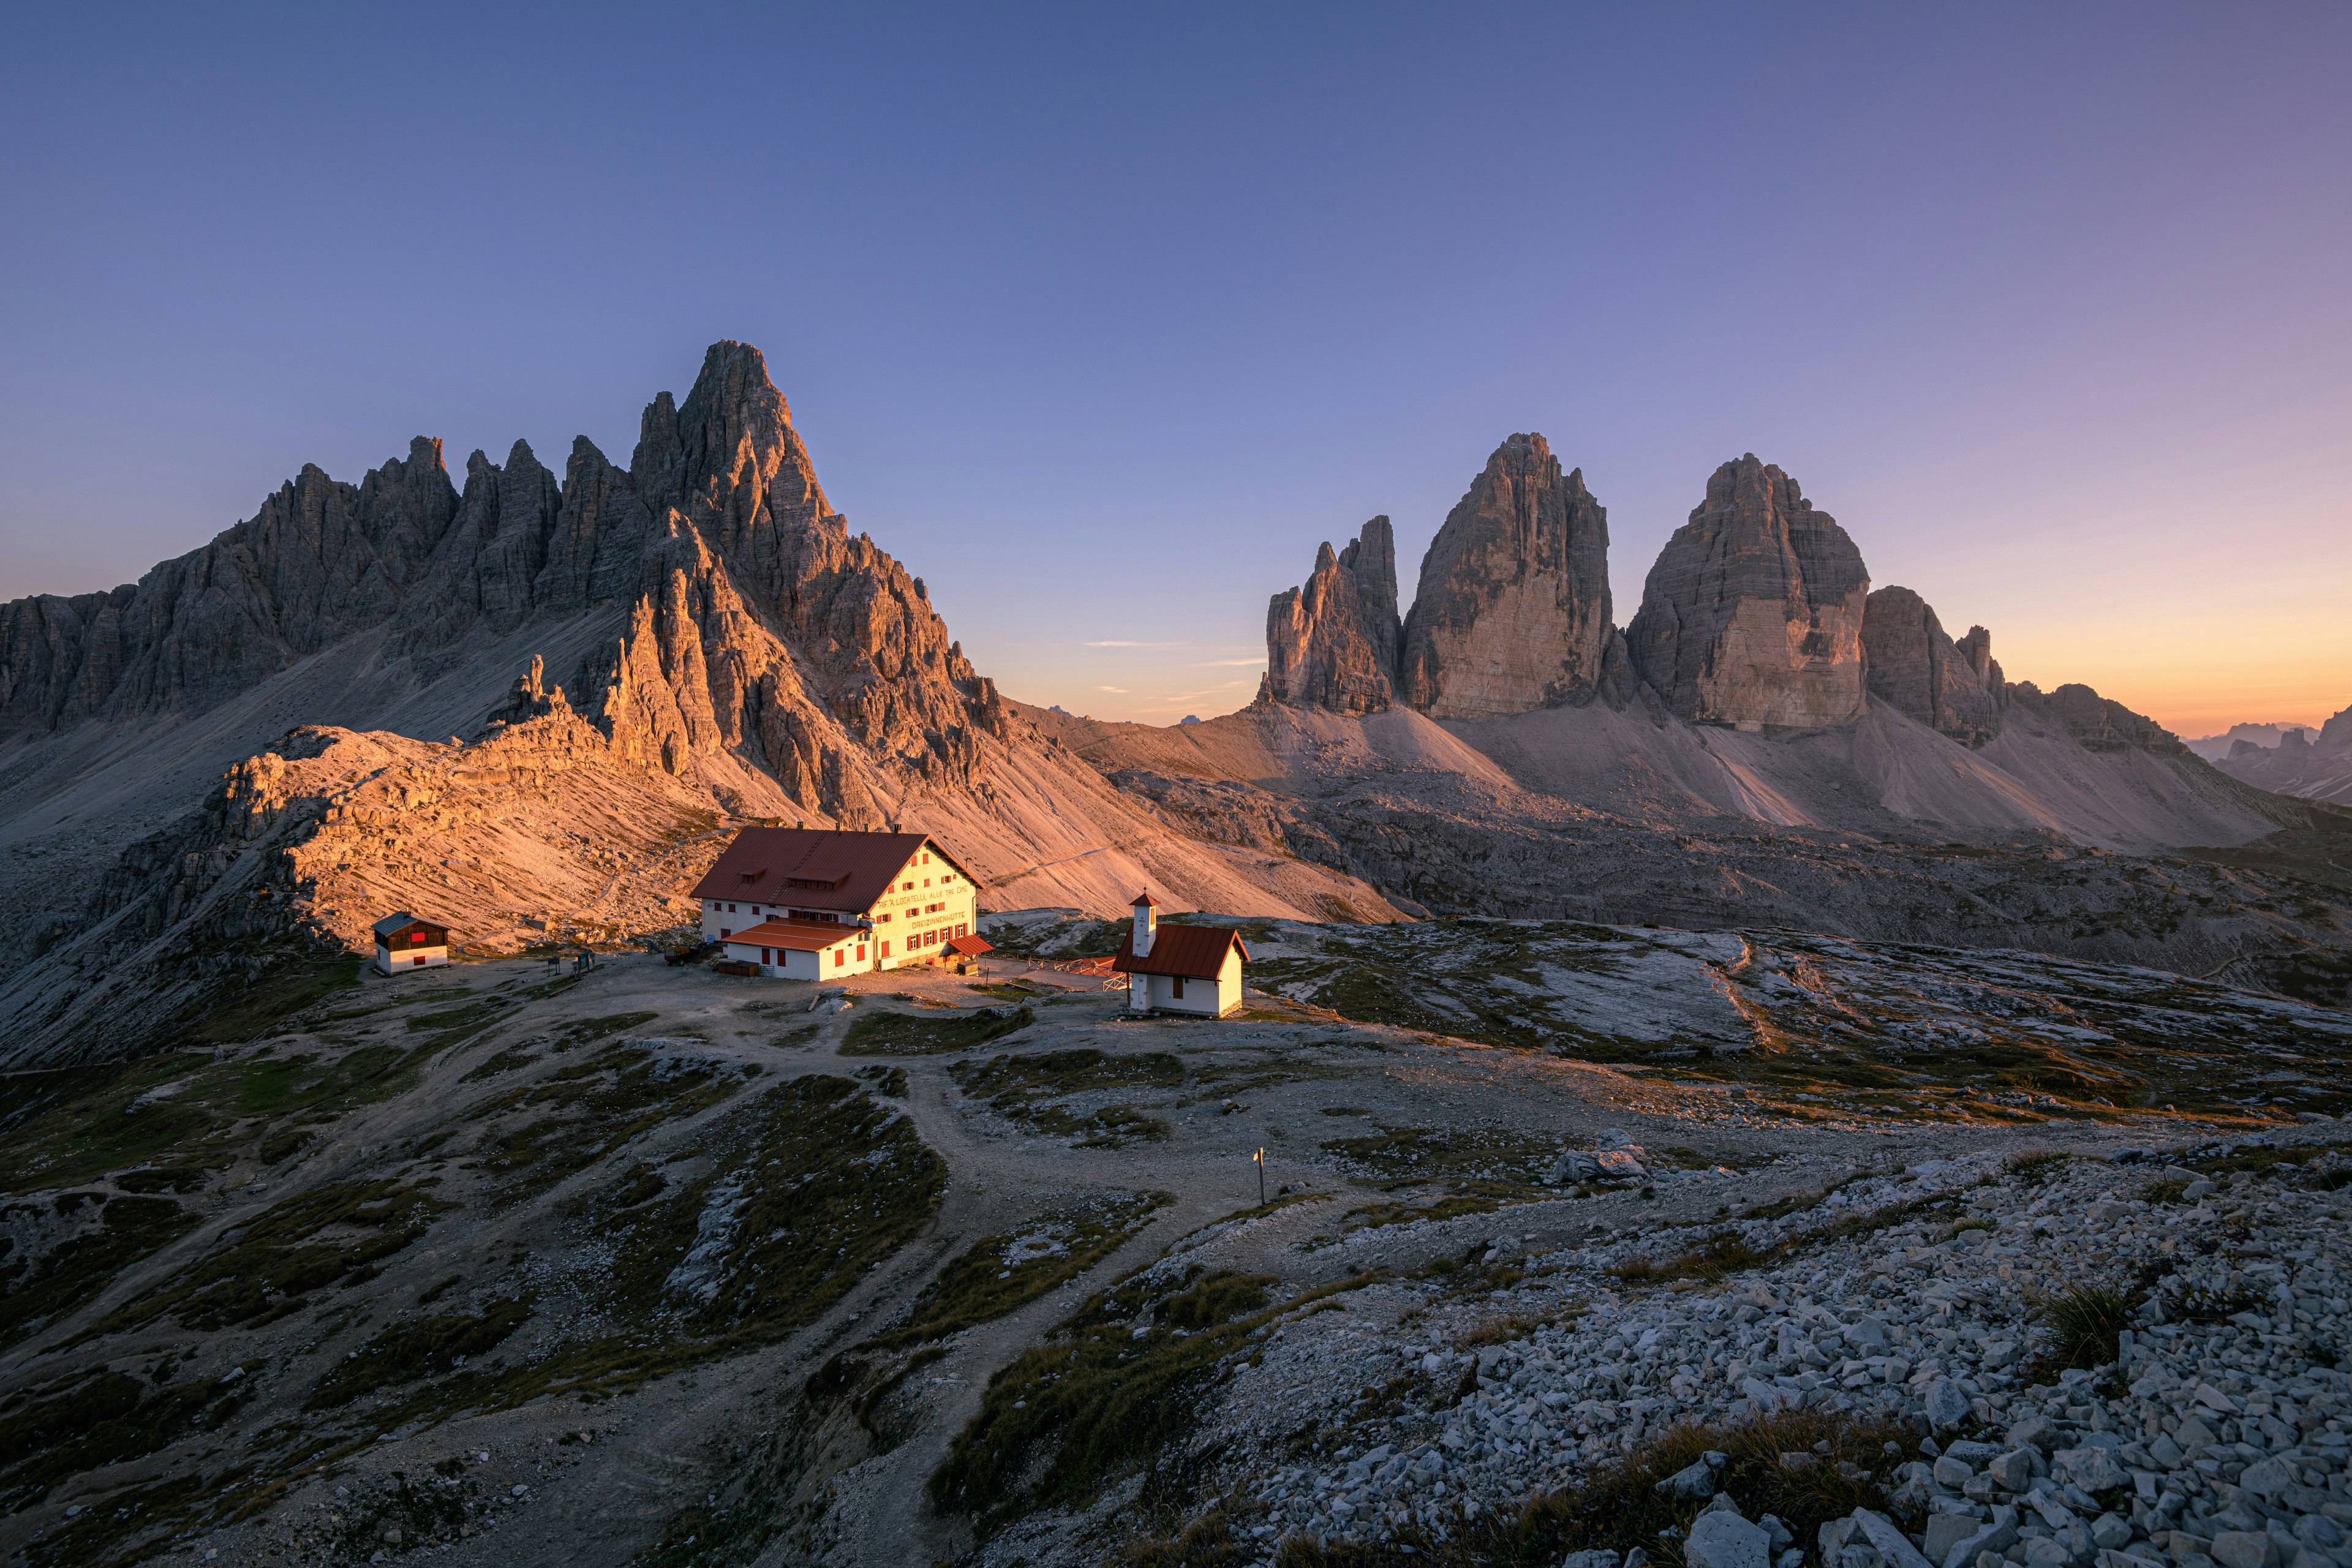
{"type": "Point", "coordinates": [1147, 922]}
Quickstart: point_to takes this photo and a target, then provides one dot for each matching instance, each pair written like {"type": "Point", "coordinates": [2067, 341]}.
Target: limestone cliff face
{"type": "Point", "coordinates": [1512, 612]}
{"type": "Point", "coordinates": [1918, 670]}
{"type": "Point", "coordinates": [759, 632]}
{"type": "Point", "coordinates": [1753, 613]}
{"type": "Point", "coordinates": [1333, 643]}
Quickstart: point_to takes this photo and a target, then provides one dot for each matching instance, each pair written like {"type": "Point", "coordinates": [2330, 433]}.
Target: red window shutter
{"type": "Point", "coordinates": [886, 949]}
{"type": "Point", "coordinates": [1179, 988]}
{"type": "Point", "coordinates": [861, 950]}
{"type": "Point", "coordinates": [766, 957]}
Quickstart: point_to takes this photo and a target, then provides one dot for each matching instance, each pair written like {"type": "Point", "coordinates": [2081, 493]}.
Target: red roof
{"type": "Point", "coordinates": [809, 936]}
{"type": "Point", "coordinates": [969, 946]}
{"type": "Point", "coordinates": [1196, 952]}
{"type": "Point", "coordinates": [815, 868]}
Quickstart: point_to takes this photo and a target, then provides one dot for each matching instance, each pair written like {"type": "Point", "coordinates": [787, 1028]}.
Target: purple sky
{"type": "Point", "coordinates": [1100, 319]}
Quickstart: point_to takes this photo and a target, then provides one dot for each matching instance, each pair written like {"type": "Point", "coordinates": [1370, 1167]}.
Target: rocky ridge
{"type": "Point", "coordinates": [2300, 764]}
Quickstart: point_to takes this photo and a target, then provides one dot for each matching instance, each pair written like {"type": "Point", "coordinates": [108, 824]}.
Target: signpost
{"type": "Point", "coordinates": [1260, 1158]}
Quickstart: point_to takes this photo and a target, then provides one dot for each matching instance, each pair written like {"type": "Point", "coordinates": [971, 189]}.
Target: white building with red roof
{"type": "Point", "coordinates": [811, 904]}
{"type": "Point", "coordinates": [1179, 969]}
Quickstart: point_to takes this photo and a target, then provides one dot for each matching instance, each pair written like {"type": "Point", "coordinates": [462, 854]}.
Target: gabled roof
{"type": "Point", "coordinates": [817, 868]}
{"type": "Point", "coordinates": [808, 936]}
{"type": "Point", "coordinates": [400, 919]}
{"type": "Point", "coordinates": [969, 946]}
{"type": "Point", "coordinates": [1196, 952]}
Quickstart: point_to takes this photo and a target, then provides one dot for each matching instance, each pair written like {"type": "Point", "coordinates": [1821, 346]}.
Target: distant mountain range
{"type": "Point", "coordinates": [533, 705]}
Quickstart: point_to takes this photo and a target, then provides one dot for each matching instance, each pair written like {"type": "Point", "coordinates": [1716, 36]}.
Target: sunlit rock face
{"type": "Point", "coordinates": [1918, 670]}
{"type": "Point", "coordinates": [1753, 613]}
{"type": "Point", "coordinates": [1333, 643]}
{"type": "Point", "coordinates": [1513, 609]}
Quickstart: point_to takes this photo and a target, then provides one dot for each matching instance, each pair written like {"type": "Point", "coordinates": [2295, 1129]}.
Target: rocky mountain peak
{"type": "Point", "coordinates": [1513, 611]}
{"type": "Point", "coordinates": [1333, 642]}
{"type": "Point", "coordinates": [1917, 669]}
{"type": "Point", "coordinates": [1752, 614]}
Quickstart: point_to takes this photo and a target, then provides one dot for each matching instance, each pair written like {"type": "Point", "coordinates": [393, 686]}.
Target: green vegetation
{"type": "Point", "coordinates": [998, 1273]}
{"type": "Point", "coordinates": [249, 1011]}
{"type": "Point", "coordinates": [84, 1421]}
{"type": "Point", "coordinates": [1113, 1385]}
{"type": "Point", "coordinates": [2084, 1324]}
{"type": "Point", "coordinates": [909, 1034]}
{"type": "Point", "coordinates": [819, 1182]}
{"type": "Point", "coordinates": [129, 1228]}
{"type": "Point", "coordinates": [580, 1115]}
{"type": "Point", "coordinates": [333, 1234]}
{"type": "Point", "coordinates": [416, 1349]}
{"type": "Point", "coordinates": [1026, 1089]}
{"type": "Point", "coordinates": [1717, 1257]}
{"type": "Point", "coordinates": [1448, 1154]}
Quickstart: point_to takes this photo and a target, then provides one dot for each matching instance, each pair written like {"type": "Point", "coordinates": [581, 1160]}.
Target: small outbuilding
{"type": "Point", "coordinates": [1179, 969]}
{"type": "Point", "coordinates": [802, 949]}
{"type": "Point", "coordinates": [404, 942]}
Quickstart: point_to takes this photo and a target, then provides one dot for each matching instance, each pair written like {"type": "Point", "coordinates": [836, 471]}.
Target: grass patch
{"type": "Point", "coordinates": [419, 1348]}
{"type": "Point", "coordinates": [999, 1273]}
{"type": "Point", "coordinates": [81, 1423]}
{"type": "Point", "coordinates": [1716, 1259]}
{"type": "Point", "coordinates": [2204, 1304]}
{"type": "Point", "coordinates": [73, 1273]}
{"type": "Point", "coordinates": [1118, 1383]}
{"type": "Point", "coordinates": [1028, 1088]}
{"type": "Point", "coordinates": [334, 1234]}
{"type": "Point", "coordinates": [2083, 1324]}
{"type": "Point", "coordinates": [581, 1114]}
{"type": "Point", "coordinates": [253, 1009]}
{"type": "Point", "coordinates": [1448, 1154]}
{"type": "Point", "coordinates": [909, 1034]}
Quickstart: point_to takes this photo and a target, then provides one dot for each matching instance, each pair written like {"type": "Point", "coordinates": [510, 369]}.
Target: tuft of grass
{"type": "Point", "coordinates": [2168, 1190]}
{"type": "Point", "coordinates": [2083, 1323]}
{"type": "Point", "coordinates": [2035, 1164]}
{"type": "Point", "coordinates": [2204, 1304]}
{"type": "Point", "coordinates": [908, 1035]}
{"type": "Point", "coordinates": [1718, 1257]}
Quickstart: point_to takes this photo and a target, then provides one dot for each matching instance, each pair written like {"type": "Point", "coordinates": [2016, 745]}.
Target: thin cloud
{"type": "Point", "coordinates": [1134, 644]}
{"type": "Point", "coordinates": [1120, 690]}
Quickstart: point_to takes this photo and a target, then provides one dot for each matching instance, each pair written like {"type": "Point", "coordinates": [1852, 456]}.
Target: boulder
{"type": "Point", "coordinates": [1752, 614]}
{"type": "Point", "coordinates": [1513, 610]}
{"type": "Point", "coordinates": [1893, 1546]}
{"type": "Point", "coordinates": [1721, 1539]}
{"type": "Point", "coordinates": [1333, 643]}
{"type": "Point", "coordinates": [1917, 669]}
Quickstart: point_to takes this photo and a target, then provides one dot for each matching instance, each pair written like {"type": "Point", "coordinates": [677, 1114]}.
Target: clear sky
{"type": "Point", "coordinates": [1100, 318]}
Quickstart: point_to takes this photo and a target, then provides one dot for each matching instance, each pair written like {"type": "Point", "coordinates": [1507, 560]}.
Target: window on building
{"type": "Point", "coordinates": [963, 931]}
{"type": "Point", "coordinates": [766, 956]}
{"type": "Point", "coordinates": [1176, 988]}
{"type": "Point", "coordinates": [907, 887]}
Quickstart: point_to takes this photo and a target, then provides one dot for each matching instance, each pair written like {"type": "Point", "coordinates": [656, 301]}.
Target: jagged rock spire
{"type": "Point", "coordinates": [1333, 643]}
{"type": "Point", "coordinates": [1513, 610]}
